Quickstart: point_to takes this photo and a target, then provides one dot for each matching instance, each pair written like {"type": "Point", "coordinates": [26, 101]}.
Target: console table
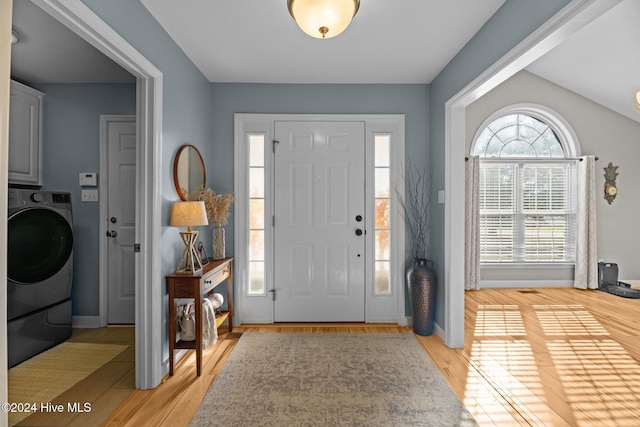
{"type": "Point", "coordinates": [195, 286]}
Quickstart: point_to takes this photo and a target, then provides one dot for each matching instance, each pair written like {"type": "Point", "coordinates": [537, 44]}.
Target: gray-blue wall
{"type": "Point", "coordinates": [511, 24]}
{"type": "Point", "coordinates": [412, 100]}
{"type": "Point", "coordinates": [71, 142]}
{"type": "Point", "coordinates": [186, 113]}
{"type": "Point", "coordinates": [186, 93]}
{"type": "Point", "coordinates": [70, 145]}
{"type": "Point", "coordinates": [189, 112]}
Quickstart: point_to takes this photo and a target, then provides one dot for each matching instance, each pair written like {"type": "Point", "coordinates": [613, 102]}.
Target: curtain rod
{"type": "Point", "coordinates": [541, 159]}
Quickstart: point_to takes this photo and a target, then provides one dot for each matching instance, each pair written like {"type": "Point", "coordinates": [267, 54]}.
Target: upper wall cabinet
{"type": "Point", "coordinates": [25, 135]}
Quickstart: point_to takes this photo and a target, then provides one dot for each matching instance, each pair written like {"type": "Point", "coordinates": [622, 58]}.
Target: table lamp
{"type": "Point", "coordinates": [189, 214]}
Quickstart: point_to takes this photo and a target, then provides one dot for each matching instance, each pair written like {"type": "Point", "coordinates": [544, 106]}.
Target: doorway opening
{"type": "Point", "coordinates": [75, 15]}
{"type": "Point", "coordinates": [555, 31]}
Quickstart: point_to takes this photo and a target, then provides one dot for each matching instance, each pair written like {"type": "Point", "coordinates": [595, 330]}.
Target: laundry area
{"type": "Point", "coordinates": [40, 271]}
{"type": "Point", "coordinates": [57, 137]}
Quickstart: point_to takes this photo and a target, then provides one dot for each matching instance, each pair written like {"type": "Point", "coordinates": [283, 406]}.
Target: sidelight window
{"type": "Point", "coordinates": [382, 217]}
{"type": "Point", "coordinates": [257, 277]}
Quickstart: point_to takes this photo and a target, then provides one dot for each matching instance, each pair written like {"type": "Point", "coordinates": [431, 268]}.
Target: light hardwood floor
{"type": "Point", "coordinates": [546, 357]}
{"type": "Point", "coordinates": [105, 389]}
{"type": "Point", "coordinates": [541, 357]}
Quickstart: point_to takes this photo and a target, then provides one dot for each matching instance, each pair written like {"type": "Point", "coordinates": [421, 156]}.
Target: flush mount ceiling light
{"type": "Point", "coordinates": [323, 19]}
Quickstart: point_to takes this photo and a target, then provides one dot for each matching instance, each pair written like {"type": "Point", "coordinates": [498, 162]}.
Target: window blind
{"type": "Point", "coordinates": [527, 211]}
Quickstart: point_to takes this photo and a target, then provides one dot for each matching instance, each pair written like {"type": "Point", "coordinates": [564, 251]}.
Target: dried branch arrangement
{"type": "Point", "coordinates": [416, 209]}
{"type": "Point", "coordinates": [217, 206]}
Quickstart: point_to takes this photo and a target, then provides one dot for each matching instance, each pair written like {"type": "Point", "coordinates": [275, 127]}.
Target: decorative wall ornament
{"type": "Point", "coordinates": [610, 188]}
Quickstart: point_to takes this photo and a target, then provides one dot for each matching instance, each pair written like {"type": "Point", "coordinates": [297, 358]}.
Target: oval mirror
{"type": "Point", "coordinates": [189, 174]}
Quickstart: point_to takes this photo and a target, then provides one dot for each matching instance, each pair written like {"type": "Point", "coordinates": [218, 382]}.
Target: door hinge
{"type": "Point", "coordinates": [273, 145]}
{"type": "Point", "coordinates": [273, 220]}
{"type": "Point", "coordinates": [136, 247]}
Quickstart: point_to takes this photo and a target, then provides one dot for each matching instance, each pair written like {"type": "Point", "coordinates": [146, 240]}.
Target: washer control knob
{"type": "Point", "coordinates": [37, 197]}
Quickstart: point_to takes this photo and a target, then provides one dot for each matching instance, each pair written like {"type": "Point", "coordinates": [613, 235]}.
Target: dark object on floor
{"type": "Point", "coordinates": [608, 282]}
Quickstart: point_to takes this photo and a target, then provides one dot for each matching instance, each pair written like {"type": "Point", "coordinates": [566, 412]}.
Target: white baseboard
{"type": "Point", "coordinates": [439, 332]}
{"type": "Point", "coordinates": [505, 284]}
{"type": "Point", "coordinates": [86, 322]}
{"type": "Point", "coordinates": [436, 328]}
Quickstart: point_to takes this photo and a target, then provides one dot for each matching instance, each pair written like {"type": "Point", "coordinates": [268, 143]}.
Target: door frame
{"type": "Point", "coordinates": [79, 18]}
{"type": "Point", "coordinates": [256, 309]}
{"type": "Point", "coordinates": [6, 8]}
{"type": "Point", "coordinates": [103, 283]}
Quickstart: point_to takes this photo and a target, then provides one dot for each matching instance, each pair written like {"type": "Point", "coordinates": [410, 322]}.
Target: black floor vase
{"type": "Point", "coordinates": [421, 281]}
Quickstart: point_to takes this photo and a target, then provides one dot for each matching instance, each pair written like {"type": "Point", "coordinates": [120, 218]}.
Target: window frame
{"type": "Point", "coordinates": [571, 148]}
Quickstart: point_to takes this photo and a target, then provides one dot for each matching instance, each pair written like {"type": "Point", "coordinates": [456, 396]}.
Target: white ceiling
{"type": "Point", "coordinates": [602, 61]}
{"type": "Point", "coordinates": [388, 41]}
{"type": "Point", "coordinates": [258, 41]}
{"type": "Point", "coordinates": [48, 52]}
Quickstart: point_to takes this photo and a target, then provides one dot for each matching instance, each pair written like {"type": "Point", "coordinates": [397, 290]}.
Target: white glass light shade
{"type": "Point", "coordinates": [323, 18]}
{"type": "Point", "coordinates": [189, 214]}
{"type": "Point", "coordinates": [638, 100]}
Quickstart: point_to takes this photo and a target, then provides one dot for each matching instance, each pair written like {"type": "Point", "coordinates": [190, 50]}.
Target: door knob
{"type": "Point", "coordinates": [358, 218]}
{"type": "Point", "coordinates": [113, 220]}
{"type": "Point", "coordinates": [112, 233]}
{"type": "Point", "coordinates": [358, 232]}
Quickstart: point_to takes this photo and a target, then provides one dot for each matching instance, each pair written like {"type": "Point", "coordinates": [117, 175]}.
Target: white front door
{"type": "Point", "coordinates": [121, 140]}
{"type": "Point", "coordinates": [319, 189]}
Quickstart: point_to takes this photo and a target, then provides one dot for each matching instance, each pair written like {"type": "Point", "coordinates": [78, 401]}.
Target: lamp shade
{"type": "Point", "coordinates": [189, 214]}
{"type": "Point", "coordinates": [323, 18]}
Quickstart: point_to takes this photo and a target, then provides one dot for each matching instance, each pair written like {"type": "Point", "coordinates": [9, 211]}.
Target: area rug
{"type": "Point", "coordinates": [273, 379]}
{"type": "Point", "coordinates": [45, 376]}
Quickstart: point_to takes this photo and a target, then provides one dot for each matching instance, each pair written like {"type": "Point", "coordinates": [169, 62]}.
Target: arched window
{"type": "Point", "coordinates": [527, 187]}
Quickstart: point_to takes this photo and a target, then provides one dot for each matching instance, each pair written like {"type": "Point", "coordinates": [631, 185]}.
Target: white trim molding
{"type": "Point", "coordinates": [525, 284]}
{"type": "Point", "coordinates": [86, 322]}
{"type": "Point", "coordinates": [556, 30]}
{"type": "Point", "coordinates": [5, 74]}
{"type": "Point", "coordinates": [76, 16]}
{"type": "Point", "coordinates": [259, 308]}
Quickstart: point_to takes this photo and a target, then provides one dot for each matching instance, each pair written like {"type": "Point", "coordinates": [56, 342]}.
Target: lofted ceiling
{"type": "Point", "coordinates": [387, 42]}
{"type": "Point", "coordinates": [600, 62]}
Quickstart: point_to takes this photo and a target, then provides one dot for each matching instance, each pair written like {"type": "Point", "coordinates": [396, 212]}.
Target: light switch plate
{"type": "Point", "coordinates": [89, 195]}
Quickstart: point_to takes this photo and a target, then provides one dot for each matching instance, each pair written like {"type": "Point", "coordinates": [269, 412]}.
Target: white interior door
{"type": "Point", "coordinates": [121, 140]}
{"type": "Point", "coordinates": [319, 190]}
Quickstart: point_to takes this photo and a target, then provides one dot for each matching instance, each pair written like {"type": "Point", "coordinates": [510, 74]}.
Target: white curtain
{"type": "Point", "coordinates": [586, 271]}
{"type": "Point", "coordinates": [472, 224]}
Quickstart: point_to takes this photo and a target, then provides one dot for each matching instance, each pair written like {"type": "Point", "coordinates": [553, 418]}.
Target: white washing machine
{"type": "Point", "coordinates": [39, 270]}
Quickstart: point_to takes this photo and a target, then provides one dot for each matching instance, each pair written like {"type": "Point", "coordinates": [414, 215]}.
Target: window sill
{"type": "Point", "coordinates": [546, 265]}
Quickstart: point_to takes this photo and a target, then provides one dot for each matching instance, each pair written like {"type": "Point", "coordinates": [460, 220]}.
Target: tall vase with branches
{"type": "Point", "coordinates": [421, 277]}
{"type": "Point", "coordinates": [217, 206]}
